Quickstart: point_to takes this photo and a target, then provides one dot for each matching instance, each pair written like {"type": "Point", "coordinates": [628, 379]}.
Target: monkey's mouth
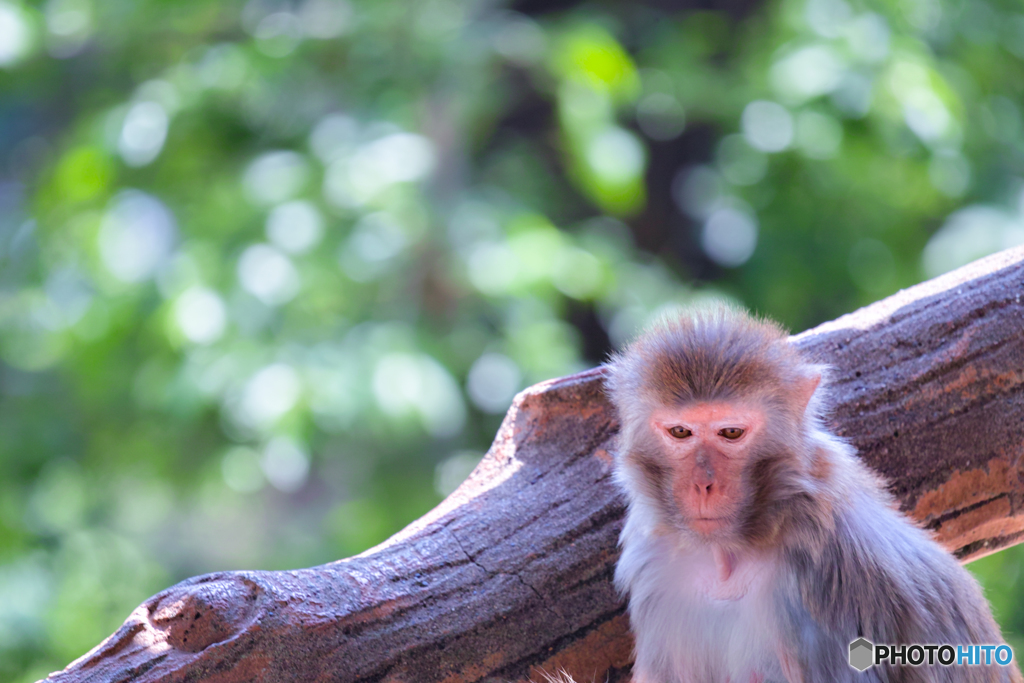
{"type": "Point", "coordinates": [705, 524]}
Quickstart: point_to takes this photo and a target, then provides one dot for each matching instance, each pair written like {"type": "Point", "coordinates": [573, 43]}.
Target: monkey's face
{"type": "Point", "coordinates": [706, 448]}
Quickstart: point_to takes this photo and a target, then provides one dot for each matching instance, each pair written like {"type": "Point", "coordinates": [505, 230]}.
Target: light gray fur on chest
{"type": "Point", "coordinates": [702, 625]}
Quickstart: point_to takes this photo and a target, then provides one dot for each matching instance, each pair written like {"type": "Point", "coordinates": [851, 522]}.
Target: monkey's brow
{"type": "Point", "coordinates": [734, 418]}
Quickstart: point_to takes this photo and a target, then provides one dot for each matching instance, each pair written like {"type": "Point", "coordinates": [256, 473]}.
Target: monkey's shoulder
{"type": "Point", "coordinates": [880, 575]}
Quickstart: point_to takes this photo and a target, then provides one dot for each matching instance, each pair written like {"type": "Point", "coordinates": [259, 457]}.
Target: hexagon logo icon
{"type": "Point", "coordinates": [862, 654]}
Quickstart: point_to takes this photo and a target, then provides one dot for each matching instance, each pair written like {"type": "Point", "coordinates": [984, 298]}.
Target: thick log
{"type": "Point", "coordinates": [510, 576]}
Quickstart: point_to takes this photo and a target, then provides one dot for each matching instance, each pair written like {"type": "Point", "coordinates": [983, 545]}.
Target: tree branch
{"type": "Point", "coordinates": [511, 575]}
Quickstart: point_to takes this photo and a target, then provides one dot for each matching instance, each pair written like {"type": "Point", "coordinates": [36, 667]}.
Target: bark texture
{"type": "Point", "coordinates": [510, 577]}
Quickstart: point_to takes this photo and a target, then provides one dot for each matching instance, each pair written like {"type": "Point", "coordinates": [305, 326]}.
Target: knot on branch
{"type": "Point", "coordinates": [197, 616]}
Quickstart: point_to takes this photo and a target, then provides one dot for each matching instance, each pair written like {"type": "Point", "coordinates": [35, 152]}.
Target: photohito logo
{"type": "Point", "coordinates": [865, 654]}
{"type": "Point", "coordinates": [862, 654]}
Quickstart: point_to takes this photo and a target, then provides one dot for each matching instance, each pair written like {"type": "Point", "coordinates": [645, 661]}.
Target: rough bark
{"type": "Point", "coordinates": [510, 576]}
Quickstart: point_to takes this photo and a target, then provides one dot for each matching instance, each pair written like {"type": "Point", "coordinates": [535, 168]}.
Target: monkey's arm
{"type": "Point", "coordinates": [879, 577]}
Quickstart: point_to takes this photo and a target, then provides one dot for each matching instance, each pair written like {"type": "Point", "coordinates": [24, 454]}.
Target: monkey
{"type": "Point", "coordinates": [756, 546]}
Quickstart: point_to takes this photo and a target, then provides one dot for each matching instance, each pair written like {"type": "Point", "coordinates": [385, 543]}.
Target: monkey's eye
{"type": "Point", "coordinates": [731, 433]}
{"type": "Point", "coordinates": [679, 432]}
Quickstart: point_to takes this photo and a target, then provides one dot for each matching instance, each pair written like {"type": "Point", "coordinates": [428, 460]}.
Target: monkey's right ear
{"type": "Point", "coordinates": [805, 388]}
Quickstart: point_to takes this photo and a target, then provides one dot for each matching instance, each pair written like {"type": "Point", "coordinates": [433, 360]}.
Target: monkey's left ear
{"type": "Point", "coordinates": [805, 388]}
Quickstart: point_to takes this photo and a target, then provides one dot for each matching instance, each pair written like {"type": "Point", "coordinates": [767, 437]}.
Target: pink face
{"type": "Point", "coordinates": [707, 446]}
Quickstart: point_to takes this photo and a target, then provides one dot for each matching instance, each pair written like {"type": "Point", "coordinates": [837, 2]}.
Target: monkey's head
{"type": "Point", "coordinates": [715, 412]}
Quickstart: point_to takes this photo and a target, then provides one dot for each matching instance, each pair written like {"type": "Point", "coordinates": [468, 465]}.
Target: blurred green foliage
{"type": "Point", "coordinates": [271, 272]}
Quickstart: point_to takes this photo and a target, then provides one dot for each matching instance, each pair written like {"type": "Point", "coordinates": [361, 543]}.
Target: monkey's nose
{"type": "Point", "coordinates": [703, 481]}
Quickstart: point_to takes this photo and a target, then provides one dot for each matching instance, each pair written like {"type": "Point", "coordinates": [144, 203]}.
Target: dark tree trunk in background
{"type": "Point", "coordinates": [510, 576]}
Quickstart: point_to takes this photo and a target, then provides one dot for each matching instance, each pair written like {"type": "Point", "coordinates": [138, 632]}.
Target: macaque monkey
{"type": "Point", "coordinates": [756, 546]}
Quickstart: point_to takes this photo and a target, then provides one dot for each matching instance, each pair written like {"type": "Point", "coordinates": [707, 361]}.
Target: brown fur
{"type": "Point", "coordinates": [705, 357]}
